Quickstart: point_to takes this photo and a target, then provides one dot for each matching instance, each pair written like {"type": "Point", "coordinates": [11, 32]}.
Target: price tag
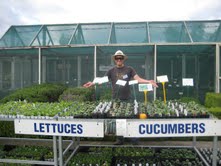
{"type": "Point", "coordinates": [121, 127]}
{"type": "Point", "coordinates": [163, 78]}
{"type": "Point", "coordinates": [145, 87]}
{"type": "Point", "coordinates": [121, 82]}
{"type": "Point", "coordinates": [133, 82]}
{"type": "Point", "coordinates": [187, 81]}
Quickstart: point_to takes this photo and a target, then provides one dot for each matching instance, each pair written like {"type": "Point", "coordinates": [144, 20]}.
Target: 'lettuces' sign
{"type": "Point", "coordinates": [75, 128]}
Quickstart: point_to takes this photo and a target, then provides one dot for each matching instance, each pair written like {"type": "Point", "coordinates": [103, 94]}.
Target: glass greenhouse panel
{"type": "Point", "coordinates": [27, 33]}
{"type": "Point", "coordinates": [18, 68]}
{"type": "Point", "coordinates": [92, 34]}
{"type": "Point", "coordinates": [193, 61]}
{"type": "Point", "coordinates": [19, 36]}
{"type": "Point", "coordinates": [129, 33]}
{"type": "Point", "coordinates": [204, 31]}
{"type": "Point", "coordinates": [43, 38]}
{"type": "Point", "coordinates": [168, 32]}
{"type": "Point", "coordinates": [61, 34]}
{"type": "Point", "coordinates": [2, 43]}
{"type": "Point", "coordinates": [71, 66]}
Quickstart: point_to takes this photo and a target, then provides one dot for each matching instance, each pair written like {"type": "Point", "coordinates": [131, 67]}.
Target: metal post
{"type": "Point", "coordinates": [187, 30]}
{"type": "Point", "coordinates": [55, 151]}
{"type": "Point", "coordinates": [148, 32]}
{"type": "Point", "coordinates": [215, 139]}
{"type": "Point", "coordinates": [217, 88]}
{"type": "Point", "coordinates": [1, 74]}
{"type": "Point", "coordinates": [60, 149]}
{"type": "Point", "coordinates": [110, 35]}
{"type": "Point", "coordinates": [194, 141]}
{"type": "Point", "coordinates": [13, 72]}
{"type": "Point", "coordinates": [79, 71]}
{"type": "Point", "coordinates": [95, 61]}
{"type": "Point", "coordinates": [39, 65]}
{"type": "Point", "coordinates": [155, 67]}
{"type": "Point", "coordinates": [183, 66]}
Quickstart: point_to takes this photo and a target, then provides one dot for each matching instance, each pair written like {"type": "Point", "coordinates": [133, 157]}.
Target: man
{"type": "Point", "coordinates": [122, 72]}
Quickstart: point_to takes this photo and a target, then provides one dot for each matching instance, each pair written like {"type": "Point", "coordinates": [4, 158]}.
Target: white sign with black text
{"type": "Point", "coordinates": [187, 81]}
{"type": "Point", "coordinates": [162, 78]}
{"type": "Point", "coordinates": [172, 127]}
{"type": "Point", "coordinates": [74, 128]}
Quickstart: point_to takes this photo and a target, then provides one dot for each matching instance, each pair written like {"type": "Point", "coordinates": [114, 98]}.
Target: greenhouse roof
{"type": "Point", "coordinates": [112, 33]}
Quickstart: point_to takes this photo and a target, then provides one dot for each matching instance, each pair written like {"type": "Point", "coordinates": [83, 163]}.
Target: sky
{"type": "Point", "coordinates": [35, 12]}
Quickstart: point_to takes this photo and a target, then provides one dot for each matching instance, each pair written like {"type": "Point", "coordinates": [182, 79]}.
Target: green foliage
{"type": "Point", "coordinates": [28, 153]}
{"type": "Point", "coordinates": [213, 99]}
{"type": "Point", "coordinates": [37, 93]}
{"type": "Point", "coordinates": [189, 99]}
{"type": "Point", "coordinates": [77, 94]}
{"type": "Point", "coordinates": [7, 129]}
{"type": "Point", "coordinates": [106, 94]}
{"type": "Point", "coordinates": [216, 111]}
{"type": "Point", "coordinates": [16, 108]}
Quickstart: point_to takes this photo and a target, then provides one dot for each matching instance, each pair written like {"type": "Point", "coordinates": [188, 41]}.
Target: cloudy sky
{"type": "Point", "coordinates": [31, 12]}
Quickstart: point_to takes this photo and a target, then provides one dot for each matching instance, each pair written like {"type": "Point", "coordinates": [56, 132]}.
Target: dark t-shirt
{"type": "Point", "coordinates": [125, 73]}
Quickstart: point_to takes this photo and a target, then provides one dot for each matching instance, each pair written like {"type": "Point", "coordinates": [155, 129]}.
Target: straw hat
{"type": "Point", "coordinates": [119, 53]}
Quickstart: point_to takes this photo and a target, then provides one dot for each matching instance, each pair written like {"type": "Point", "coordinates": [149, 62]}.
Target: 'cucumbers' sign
{"type": "Point", "coordinates": [75, 128]}
{"type": "Point", "coordinates": [173, 128]}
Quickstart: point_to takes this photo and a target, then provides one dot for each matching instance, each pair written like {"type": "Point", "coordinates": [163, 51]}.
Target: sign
{"type": "Point", "coordinates": [104, 79]}
{"type": "Point", "coordinates": [96, 80]}
{"type": "Point", "coordinates": [163, 78]}
{"type": "Point", "coordinates": [100, 80]}
{"type": "Point", "coordinates": [121, 82]}
{"type": "Point", "coordinates": [120, 127]}
{"type": "Point", "coordinates": [132, 82]}
{"type": "Point", "coordinates": [187, 81]}
{"type": "Point", "coordinates": [145, 87]}
{"type": "Point", "coordinates": [173, 128]}
{"type": "Point", "coordinates": [73, 128]}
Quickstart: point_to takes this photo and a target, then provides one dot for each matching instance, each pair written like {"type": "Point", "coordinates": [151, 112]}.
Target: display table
{"type": "Point", "coordinates": [140, 128]}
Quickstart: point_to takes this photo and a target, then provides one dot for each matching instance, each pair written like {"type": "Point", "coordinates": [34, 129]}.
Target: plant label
{"type": "Point", "coordinates": [163, 78]}
{"type": "Point", "coordinates": [100, 80]}
{"type": "Point", "coordinates": [96, 80]}
{"type": "Point", "coordinates": [132, 82]}
{"type": "Point", "coordinates": [187, 81]}
{"type": "Point", "coordinates": [121, 82]}
{"type": "Point", "coordinates": [104, 79]}
{"type": "Point", "coordinates": [145, 87]}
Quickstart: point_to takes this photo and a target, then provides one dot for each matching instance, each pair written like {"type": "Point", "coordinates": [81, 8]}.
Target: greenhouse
{"type": "Point", "coordinates": [73, 54]}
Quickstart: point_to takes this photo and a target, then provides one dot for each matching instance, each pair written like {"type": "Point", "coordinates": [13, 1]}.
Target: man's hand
{"type": "Point", "coordinates": [88, 84]}
{"type": "Point", "coordinates": [153, 83]}
{"type": "Point", "coordinates": [141, 80]}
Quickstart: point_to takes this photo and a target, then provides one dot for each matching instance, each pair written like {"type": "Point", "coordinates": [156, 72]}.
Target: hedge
{"type": "Point", "coordinates": [216, 111]}
{"type": "Point", "coordinates": [189, 99]}
{"type": "Point", "coordinates": [78, 94]}
{"type": "Point", "coordinates": [213, 99]}
{"type": "Point", "coordinates": [37, 93]}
